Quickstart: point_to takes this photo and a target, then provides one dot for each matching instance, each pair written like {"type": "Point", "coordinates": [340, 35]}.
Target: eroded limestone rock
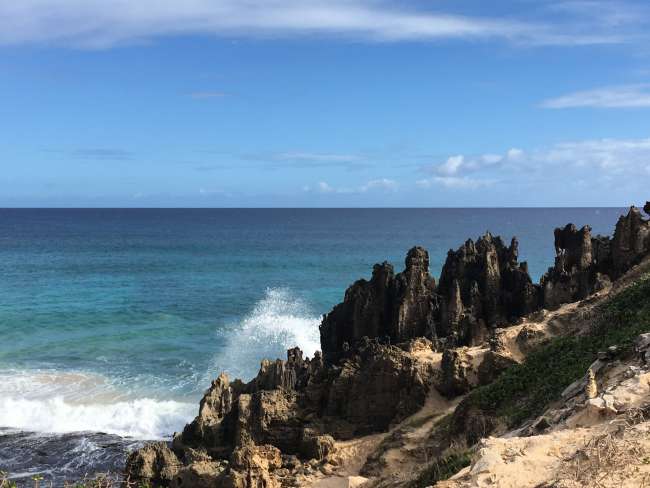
{"type": "Point", "coordinates": [483, 285]}
{"type": "Point", "coordinates": [155, 462]}
{"type": "Point", "coordinates": [393, 307]}
{"type": "Point", "coordinates": [586, 264]}
{"type": "Point", "coordinates": [631, 241]}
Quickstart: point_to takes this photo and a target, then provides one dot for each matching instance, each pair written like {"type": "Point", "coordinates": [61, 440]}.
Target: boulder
{"type": "Point", "coordinates": [265, 457]}
{"type": "Point", "coordinates": [213, 428]}
{"type": "Point", "coordinates": [456, 368]}
{"type": "Point", "coordinates": [493, 365]}
{"type": "Point", "coordinates": [642, 346]}
{"type": "Point", "coordinates": [315, 446]}
{"type": "Point", "coordinates": [155, 463]}
{"type": "Point", "coordinates": [200, 474]}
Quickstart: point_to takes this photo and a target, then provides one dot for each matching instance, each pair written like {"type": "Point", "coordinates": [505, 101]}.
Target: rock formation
{"type": "Point", "coordinates": [574, 274]}
{"type": "Point", "coordinates": [631, 240]}
{"type": "Point", "coordinates": [584, 264]}
{"type": "Point", "coordinates": [292, 409]}
{"type": "Point", "coordinates": [482, 286]}
{"type": "Point", "coordinates": [372, 372]}
{"type": "Point", "coordinates": [393, 307]}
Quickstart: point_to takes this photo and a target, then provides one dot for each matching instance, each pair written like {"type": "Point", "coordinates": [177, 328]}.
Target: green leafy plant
{"type": "Point", "coordinates": [525, 390]}
{"type": "Point", "coordinates": [5, 482]}
{"type": "Point", "coordinates": [442, 468]}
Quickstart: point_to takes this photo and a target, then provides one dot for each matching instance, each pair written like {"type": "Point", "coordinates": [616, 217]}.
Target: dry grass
{"type": "Point", "coordinates": [611, 459]}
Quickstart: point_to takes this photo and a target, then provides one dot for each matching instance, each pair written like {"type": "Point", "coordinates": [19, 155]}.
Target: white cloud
{"type": "Point", "coordinates": [380, 184]}
{"type": "Point", "coordinates": [491, 158]}
{"type": "Point", "coordinates": [104, 23]}
{"type": "Point", "coordinates": [623, 96]}
{"type": "Point", "coordinates": [588, 160]}
{"type": "Point", "coordinates": [608, 155]}
{"type": "Point", "coordinates": [451, 166]}
{"type": "Point", "coordinates": [455, 182]}
{"type": "Point", "coordinates": [323, 187]}
{"type": "Point", "coordinates": [514, 154]}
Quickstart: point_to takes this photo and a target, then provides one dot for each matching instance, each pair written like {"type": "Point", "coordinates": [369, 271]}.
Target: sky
{"type": "Point", "coordinates": [338, 103]}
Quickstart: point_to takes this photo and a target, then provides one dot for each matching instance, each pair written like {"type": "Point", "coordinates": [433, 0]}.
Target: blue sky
{"type": "Point", "coordinates": [338, 103]}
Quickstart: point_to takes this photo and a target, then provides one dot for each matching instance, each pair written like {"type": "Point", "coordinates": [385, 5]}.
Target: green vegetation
{"type": "Point", "coordinates": [101, 481]}
{"type": "Point", "coordinates": [525, 390]}
{"type": "Point", "coordinates": [442, 468]}
{"type": "Point", "coordinates": [5, 482]}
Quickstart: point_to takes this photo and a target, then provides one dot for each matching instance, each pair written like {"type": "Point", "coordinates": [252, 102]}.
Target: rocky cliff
{"type": "Point", "coordinates": [396, 341]}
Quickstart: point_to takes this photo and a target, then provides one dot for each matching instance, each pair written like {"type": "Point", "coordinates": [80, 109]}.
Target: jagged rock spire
{"type": "Point", "coordinates": [390, 307]}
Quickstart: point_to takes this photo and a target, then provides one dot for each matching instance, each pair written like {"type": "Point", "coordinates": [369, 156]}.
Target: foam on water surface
{"type": "Point", "coordinates": [277, 322]}
{"type": "Point", "coordinates": [64, 402]}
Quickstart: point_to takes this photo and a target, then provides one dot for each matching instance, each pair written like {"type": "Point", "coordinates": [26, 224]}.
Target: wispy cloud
{"type": "Point", "coordinates": [460, 163]}
{"type": "Point", "coordinates": [455, 182]}
{"type": "Point", "coordinates": [315, 157]}
{"type": "Point", "coordinates": [207, 95]}
{"type": "Point", "coordinates": [622, 96]}
{"type": "Point", "coordinates": [104, 23]}
{"type": "Point", "coordinates": [301, 159]}
{"type": "Point", "coordinates": [94, 153]}
{"type": "Point", "coordinates": [384, 185]}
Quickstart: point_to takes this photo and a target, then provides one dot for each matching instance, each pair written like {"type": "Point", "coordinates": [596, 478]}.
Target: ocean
{"type": "Point", "coordinates": [113, 322]}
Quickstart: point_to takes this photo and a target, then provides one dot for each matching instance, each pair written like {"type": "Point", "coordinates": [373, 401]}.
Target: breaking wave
{"type": "Point", "coordinates": [54, 402]}
{"type": "Point", "coordinates": [280, 320]}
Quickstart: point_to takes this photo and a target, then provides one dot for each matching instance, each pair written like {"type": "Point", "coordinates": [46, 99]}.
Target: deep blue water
{"type": "Point", "coordinates": [115, 320]}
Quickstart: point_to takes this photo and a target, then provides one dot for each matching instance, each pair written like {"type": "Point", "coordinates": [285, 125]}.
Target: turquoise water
{"type": "Point", "coordinates": [115, 321]}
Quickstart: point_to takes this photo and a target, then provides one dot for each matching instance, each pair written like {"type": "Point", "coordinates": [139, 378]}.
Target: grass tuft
{"type": "Point", "coordinates": [442, 468]}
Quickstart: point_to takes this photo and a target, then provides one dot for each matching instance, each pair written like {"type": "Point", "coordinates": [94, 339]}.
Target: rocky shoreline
{"type": "Point", "coordinates": [395, 342]}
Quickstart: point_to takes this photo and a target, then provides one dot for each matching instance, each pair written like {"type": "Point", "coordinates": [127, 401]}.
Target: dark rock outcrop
{"type": "Point", "coordinates": [155, 462]}
{"type": "Point", "coordinates": [456, 368]}
{"type": "Point", "coordinates": [493, 365]}
{"type": "Point", "coordinates": [377, 386]}
{"type": "Point", "coordinates": [482, 286]}
{"type": "Point", "coordinates": [395, 307]}
{"type": "Point", "coordinates": [293, 407]}
{"type": "Point", "coordinates": [585, 264]}
{"type": "Point", "coordinates": [574, 275]}
{"type": "Point", "coordinates": [631, 241]}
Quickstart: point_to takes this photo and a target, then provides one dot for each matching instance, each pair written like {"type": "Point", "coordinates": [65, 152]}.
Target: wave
{"type": "Point", "coordinates": [59, 402]}
{"type": "Point", "coordinates": [280, 320]}
{"type": "Point", "coordinates": [139, 419]}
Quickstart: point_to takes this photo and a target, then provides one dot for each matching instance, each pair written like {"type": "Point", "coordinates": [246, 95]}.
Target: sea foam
{"type": "Point", "coordinates": [278, 321]}
{"type": "Point", "coordinates": [63, 402]}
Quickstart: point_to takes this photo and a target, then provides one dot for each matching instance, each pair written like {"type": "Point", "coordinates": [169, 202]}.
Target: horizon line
{"type": "Point", "coordinates": [334, 208]}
